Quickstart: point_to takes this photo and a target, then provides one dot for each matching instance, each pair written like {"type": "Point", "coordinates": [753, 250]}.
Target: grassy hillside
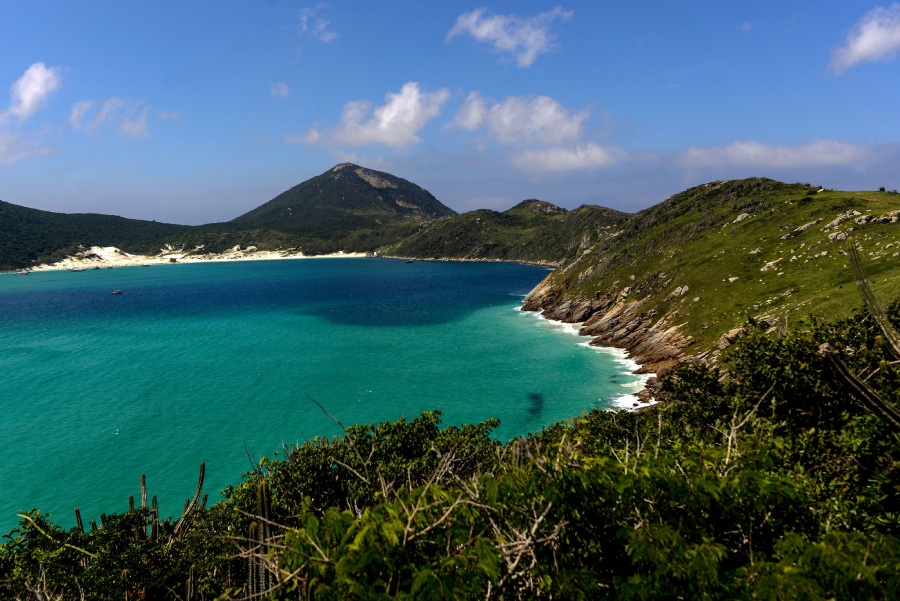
{"type": "Point", "coordinates": [744, 248]}
{"type": "Point", "coordinates": [532, 231]}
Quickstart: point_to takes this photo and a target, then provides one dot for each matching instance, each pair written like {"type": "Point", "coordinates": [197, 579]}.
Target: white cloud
{"type": "Point", "coordinates": [316, 25]}
{"type": "Point", "coordinates": [280, 89]}
{"type": "Point", "coordinates": [27, 95]}
{"type": "Point", "coordinates": [524, 38]}
{"type": "Point", "coordinates": [582, 156]}
{"type": "Point", "coordinates": [521, 118]}
{"type": "Point", "coordinates": [876, 37]}
{"type": "Point", "coordinates": [395, 123]}
{"type": "Point", "coordinates": [756, 154]}
{"type": "Point", "coordinates": [125, 114]}
{"type": "Point", "coordinates": [31, 90]}
{"type": "Point", "coordinates": [746, 26]}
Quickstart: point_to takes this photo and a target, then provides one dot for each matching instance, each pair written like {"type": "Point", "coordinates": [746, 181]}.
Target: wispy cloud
{"type": "Point", "coordinates": [126, 115]}
{"type": "Point", "coordinates": [746, 26]}
{"type": "Point", "coordinates": [280, 89]}
{"type": "Point", "coordinates": [523, 38]}
{"type": "Point", "coordinates": [395, 123]}
{"type": "Point", "coordinates": [312, 21]}
{"type": "Point", "coordinates": [521, 119]}
{"type": "Point", "coordinates": [817, 153]}
{"type": "Point", "coordinates": [27, 95]}
{"type": "Point", "coordinates": [875, 38]}
{"type": "Point", "coordinates": [582, 156]}
{"type": "Point", "coordinates": [169, 116]}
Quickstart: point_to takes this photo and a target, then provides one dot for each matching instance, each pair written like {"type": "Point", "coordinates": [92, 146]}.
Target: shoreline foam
{"type": "Point", "coordinates": [620, 356]}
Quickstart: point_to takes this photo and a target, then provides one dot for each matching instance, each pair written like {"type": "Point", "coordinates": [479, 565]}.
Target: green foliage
{"type": "Point", "coordinates": [532, 231]}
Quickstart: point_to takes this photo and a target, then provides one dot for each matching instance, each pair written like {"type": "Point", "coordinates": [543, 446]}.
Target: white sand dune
{"type": "Point", "coordinates": [110, 256]}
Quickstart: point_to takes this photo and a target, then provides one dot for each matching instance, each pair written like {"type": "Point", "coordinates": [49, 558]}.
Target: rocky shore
{"type": "Point", "coordinates": [657, 347]}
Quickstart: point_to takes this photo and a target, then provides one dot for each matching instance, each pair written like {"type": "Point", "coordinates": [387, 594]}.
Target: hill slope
{"type": "Point", "coordinates": [350, 206]}
{"type": "Point", "coordinates": [693, 269]}
{"type": "Point", "coordinates": [532, 231]}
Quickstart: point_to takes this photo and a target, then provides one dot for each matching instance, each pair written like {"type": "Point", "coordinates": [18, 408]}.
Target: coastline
{"type": "Point", "coordinates": [111, 256]}
{"type": "Point", "coordinates": [629, 402]}
{"type": "Point", "coordinates": [485, 260]}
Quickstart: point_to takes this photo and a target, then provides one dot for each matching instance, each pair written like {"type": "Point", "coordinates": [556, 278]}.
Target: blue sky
{"type": "Point", "coordinates": [193, 112]}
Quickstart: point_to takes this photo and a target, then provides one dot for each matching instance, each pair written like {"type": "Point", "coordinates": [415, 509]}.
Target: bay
{"type": "Point", "coordinates": [218, 362]}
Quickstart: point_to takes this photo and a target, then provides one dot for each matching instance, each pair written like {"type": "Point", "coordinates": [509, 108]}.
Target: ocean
{"type": "Point", "coordinates": [218, 362]}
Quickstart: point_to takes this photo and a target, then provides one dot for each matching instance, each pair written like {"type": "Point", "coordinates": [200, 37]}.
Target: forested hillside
{"type": "Point", "coordinates": [532, 231]}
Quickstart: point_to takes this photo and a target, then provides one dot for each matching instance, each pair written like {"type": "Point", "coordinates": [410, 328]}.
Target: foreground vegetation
{"type": "Point", "coordinates": [775, 479]}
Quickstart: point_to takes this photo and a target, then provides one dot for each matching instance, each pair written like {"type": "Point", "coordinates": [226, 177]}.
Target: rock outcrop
{"type": "Point", "coordinates": [656, 344]}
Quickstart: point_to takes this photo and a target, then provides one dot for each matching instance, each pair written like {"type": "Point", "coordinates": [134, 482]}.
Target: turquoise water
{"type": "Point", "coordinates": [194, 362]}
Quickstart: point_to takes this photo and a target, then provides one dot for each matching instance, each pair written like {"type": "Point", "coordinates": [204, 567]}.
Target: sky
{"type": "Point", "coordinates": [197, 112]}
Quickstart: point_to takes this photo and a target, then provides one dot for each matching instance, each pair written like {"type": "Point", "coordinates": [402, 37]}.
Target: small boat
{"type": "Point", "coordinates": [109, 267]}
{"type": "Point", "coordinates": [413, 261]}
{"type": "Point", "coordinates": [95, 268]}
{"type": "Point", "coordinates": [77, 269]}
{"type": "Point", "coordinates": [23, 272]}
{"type": "Point", "coordinates": [116, 292]}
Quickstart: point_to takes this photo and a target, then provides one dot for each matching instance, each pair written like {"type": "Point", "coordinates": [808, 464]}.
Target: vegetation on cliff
{"type": "Point", "coordinates": [709, 258]}
{"type": "Point", "coordinates": [773, 480]}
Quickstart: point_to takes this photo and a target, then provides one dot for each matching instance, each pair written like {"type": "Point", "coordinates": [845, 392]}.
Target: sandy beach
{"type": "Point", "coordinates": [111, 256]}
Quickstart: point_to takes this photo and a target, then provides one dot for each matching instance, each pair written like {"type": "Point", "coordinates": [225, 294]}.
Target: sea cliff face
{"type": "Point", "coordinates": [656, 344]}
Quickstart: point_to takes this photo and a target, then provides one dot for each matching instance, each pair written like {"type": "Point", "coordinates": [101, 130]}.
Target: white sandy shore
{"type": "Point", "coordinates": [111, 256]}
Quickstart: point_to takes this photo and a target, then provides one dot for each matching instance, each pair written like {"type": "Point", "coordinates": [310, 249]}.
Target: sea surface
{"type": "Point", "coordinates": [217, 362]}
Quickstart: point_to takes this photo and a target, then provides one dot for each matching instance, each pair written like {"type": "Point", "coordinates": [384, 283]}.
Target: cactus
{"type": "Point", "coordinates": [154, 525]}
{"type": "Point", "coordinates": [130, 502]}
{"type": "Point", "coordinates": [78, 521]}
{"type": "Point", "coordinates": [102, 519]}
{"type": "Point", "coordinates": [203, 505]}
{"type": "Point", "coordinates": [190, 586]}
{"type": "Point", "coordinates": [259, 575]}
{"type": "Point", "coordinates": [143, 490]}
{"type": "Point", "coordinates": [93, 526]}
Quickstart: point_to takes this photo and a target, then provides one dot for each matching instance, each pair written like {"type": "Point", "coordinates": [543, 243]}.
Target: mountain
{"type": "Point", "coordinates": [349, 206]}
{"type": "Point", "coordinates": [532, 231]}
{"type": "Point", "coordinates": [686, 275]}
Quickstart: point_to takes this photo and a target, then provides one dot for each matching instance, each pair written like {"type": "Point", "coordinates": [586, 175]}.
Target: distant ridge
{"type": "Point", "coordinates": [533, 231]}
{"type": "Point", "coordinates": [347, 208]}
